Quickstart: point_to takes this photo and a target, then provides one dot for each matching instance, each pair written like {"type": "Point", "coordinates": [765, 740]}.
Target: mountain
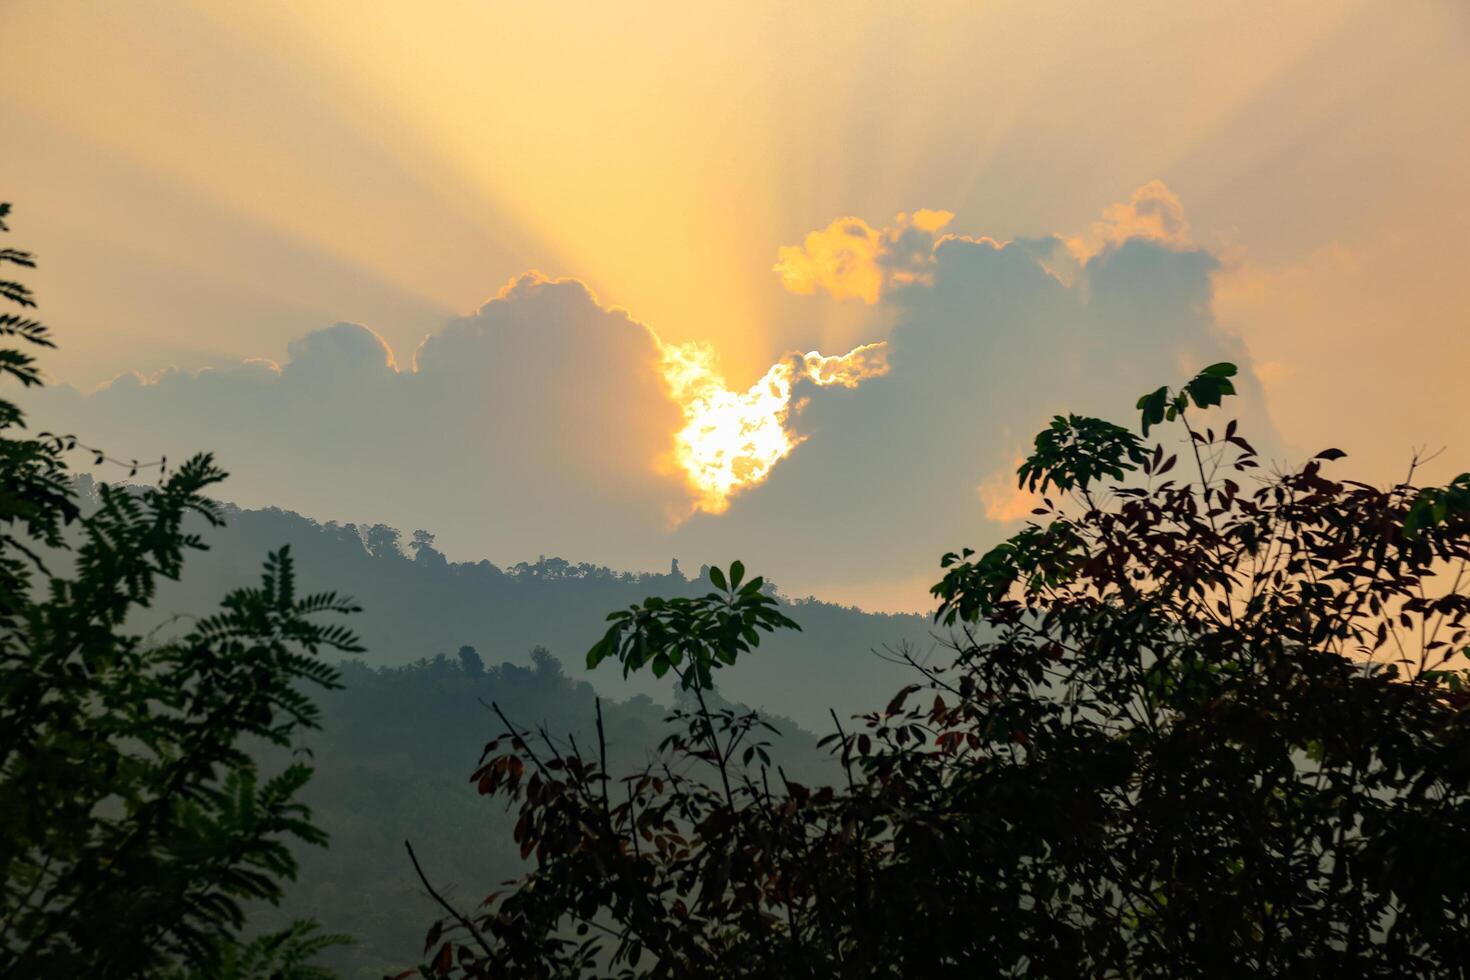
{"type": "Point", "coordinates": [393, 759]}
{"type": "Point", "coordinates": [418, 604]}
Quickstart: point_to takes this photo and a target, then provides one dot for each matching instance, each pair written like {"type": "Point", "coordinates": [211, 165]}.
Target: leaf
{"type": "Point", "coordinates": [1207, 390]}
{"type": "Point", "coordinates": [602, 649]}
{"type": "Point", "coordinates": [1152, 407]}
{"type": "Point", "coordinates": [1223, 369]}
{"type": "Point", "coordinates": [444, 961]}
{"type": "Point", "coordinates": [1330, 454]}
{"type": "Point", "coordinates": [737, 572]}
{"type": "Point", "coordinates": [718, 577]}
{"type": "Point", "coordinates": [896, 704]}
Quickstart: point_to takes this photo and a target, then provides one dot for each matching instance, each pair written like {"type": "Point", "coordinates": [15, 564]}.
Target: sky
{"type": "Point", "coordinates": [793, 283]}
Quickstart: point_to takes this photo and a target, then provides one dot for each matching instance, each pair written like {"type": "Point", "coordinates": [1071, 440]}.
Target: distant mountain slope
{"type": "Point", "coordinates": [398, 742]}
{"type": "Point", "coordinates": [393, 759]}
{"type": "Point", "coordinates": [423, 605]}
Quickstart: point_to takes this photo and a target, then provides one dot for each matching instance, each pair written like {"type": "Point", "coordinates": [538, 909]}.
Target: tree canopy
{"type": "Point", "coordinates": [133, 823]}
{"type": "Point", "coordinates": [1196, 718]}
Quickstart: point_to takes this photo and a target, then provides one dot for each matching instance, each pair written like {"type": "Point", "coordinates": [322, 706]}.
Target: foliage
{"type": "Point", "coordinates": [1205, 389]}
{"type": "Point", "coordinates": [1188, 728]}
{"type": "Point", "coordinates": [390, 765]}
{"type": "Point", "coordinates": [1076, 452]}
{"type": "Point", "coordinates": [692, 635]}
{"type": "Point", "coordinates": [133, 823]}
{"type": "Point", "coordinates": [285, 955]}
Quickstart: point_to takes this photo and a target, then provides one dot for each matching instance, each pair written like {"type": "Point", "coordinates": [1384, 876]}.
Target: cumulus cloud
{"type": "Point", "coordinates": [525, 427]}
{"type": "Point", "coordinates": [346, 348]}
{"type": "Point", "coordinates": [533, 425]}
{"type": "Point", "coordinates": [984, 351]}
{"type": "Point", "coordinates": [849, 259]}
{"type": "Point", "coordinates": [1154, 214]}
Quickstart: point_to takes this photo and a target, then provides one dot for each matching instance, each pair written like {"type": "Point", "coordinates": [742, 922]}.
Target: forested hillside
{"type": "Point", "coordinates": [445, 640]}
{"type": "Point", "coordinates": [393, 759]}
{"type": "Point", "coordinates": [417, 604]}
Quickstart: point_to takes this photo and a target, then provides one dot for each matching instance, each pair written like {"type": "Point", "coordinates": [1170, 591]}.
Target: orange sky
{"type": "Point", "coordinates": [206, 182]}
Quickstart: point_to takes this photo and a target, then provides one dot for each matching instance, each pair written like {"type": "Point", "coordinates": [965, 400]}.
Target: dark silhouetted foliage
{"type": "Point", "coordinates": [132, 823]}
{"type": "Point", "coordinates": [1202, 725]}
{"type": "Point", "coordinates": [390, 764]}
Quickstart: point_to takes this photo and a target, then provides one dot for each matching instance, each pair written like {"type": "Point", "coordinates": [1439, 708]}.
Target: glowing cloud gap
{"type": "Point", "coordinates": [731, 439]}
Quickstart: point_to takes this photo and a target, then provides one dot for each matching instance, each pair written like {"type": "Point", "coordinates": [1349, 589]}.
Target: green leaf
{"type": "Point", "coordinates": [1210, 386]}
{"type": "Point", "coordinates": [1152, 406]}
{"type": "Point", "coordinates": [1075, 450]}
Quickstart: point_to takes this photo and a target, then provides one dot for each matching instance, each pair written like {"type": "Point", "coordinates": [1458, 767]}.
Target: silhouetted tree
{"type": "Point", "coordinates": [1189, 728]}
{"type": "Point", "coordinates": [383, 541]}
{"type": "Point", "coordinates": [132, 823]}
{"type": "Point", "coordinates": [471, 661]}
{"type": "Point", "coordinates": [546, 665]}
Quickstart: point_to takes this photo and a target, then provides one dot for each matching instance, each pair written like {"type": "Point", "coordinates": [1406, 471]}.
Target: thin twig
{"type": "Point", "coordinates": [446, 906]}
{"type": "Point", "coordinates": [602, 756]}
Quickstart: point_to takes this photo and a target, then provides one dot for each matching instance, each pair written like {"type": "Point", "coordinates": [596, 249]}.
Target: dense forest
{"type": "Point", "coordinates": [416, 604]}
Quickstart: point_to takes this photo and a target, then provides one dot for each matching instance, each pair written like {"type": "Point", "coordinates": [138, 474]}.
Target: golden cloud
{"type": "Point", "coordinates": [850, 259]}
{"type": "Point", "coordinates": [732, 439]}
{"type": "Point", "coordinates": [1003, 498]}
{"type": "Point", "coordinates": [1153, 213]}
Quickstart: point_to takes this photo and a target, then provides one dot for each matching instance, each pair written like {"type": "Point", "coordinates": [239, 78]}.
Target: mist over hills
{"type": "Point", "coordinates": [445, 640]}
{"type": "Point", "coordinates": [416, 604]}
{"type": "Point", "coordinates": [392, 761]}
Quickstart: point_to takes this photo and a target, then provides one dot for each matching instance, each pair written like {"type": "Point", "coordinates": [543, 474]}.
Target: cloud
{"type": "Point", "coordinates": [848, 370]}
{"type": "Point", "coordinates": [732, 439]}
{"type": "Point", "coordinates": [542, 423]}
{"type": "Point", "coordinates": [537, 424]}
{"type": "Point", "coordinates": [526, 427]}
{"type": "Point", "coordinates": [849, 259]}
{"type": "Point", "coordinates": [1003, 499]}
{"type": "Point", "coordinates": [983, 351]}
{"type": "Point", "coordinates": [342, 347]}
{"type": "Point", "coordinates": [1154, 214]}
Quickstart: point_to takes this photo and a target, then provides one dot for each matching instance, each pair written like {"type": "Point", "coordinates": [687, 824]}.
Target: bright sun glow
{"type": "Point", "coordinates": [730, 439]}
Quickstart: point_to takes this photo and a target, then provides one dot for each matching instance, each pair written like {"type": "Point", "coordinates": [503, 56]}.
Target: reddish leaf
{"type": "Point", "coordinates": [444, 962]}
